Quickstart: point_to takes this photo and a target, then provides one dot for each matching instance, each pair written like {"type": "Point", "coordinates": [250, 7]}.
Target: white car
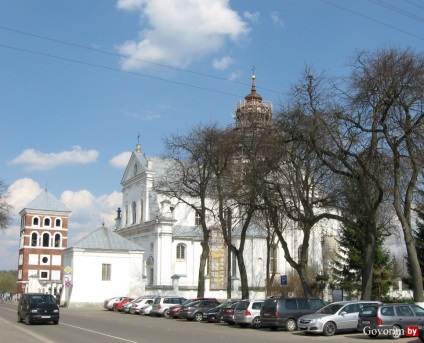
{"type": "Point", "coordinates": [146, 310]}
{"type": "Point", "coordinates": [140, 303]}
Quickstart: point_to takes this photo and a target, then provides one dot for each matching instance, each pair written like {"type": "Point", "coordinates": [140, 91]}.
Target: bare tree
{"type": "Point", "coordinates": [389, 83]}
{"type": "Point", "coordinates": [5, 207]}
{"type": "Point", "coordinates": [190, 181]}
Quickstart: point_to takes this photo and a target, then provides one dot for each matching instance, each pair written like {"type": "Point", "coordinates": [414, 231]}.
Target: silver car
{"type": "Point", "coordinates": [334, 317]}
{"type": "Point", "coordinates": [248, 312]}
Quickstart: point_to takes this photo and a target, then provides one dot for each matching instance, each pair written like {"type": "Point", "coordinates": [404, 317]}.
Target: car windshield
{"type": "Point", "coordinates": [40, 299]}
{"type": "Point", "coordinates": [330, 309]}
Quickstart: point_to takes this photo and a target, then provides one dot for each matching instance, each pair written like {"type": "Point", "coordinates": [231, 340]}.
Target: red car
{"type": "Point", "coordinates": [117, 306]}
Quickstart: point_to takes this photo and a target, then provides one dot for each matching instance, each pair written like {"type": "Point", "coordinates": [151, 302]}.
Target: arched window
{"type": "Point", "coordinates": [134, 212]}
{"type": "Point", "coordinates": [181, 251]}
{"type": "Point", "coordinates": [273, 259]}
{"type": "Point", "coordinates": [299, 253]}
{"type": "Point", "coordinates": [57, 240]}
{"type": "Point", "coordinates": [35, 221]}
{"type": "Point", "coordinates": [141, 211]}
{"type": "Point", "coordinates": [58, 222]}
{"type": "Point", "coordinates": [34, 239]}
{"type": "Point", "coordinates": [135, 169]}
{"type": "Point", "coordinates": [46, 221]}
{"type": "Point", "coordinates": [46, 239]}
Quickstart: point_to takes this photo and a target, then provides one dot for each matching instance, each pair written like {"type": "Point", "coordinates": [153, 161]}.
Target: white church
{"type": "Point", "coordinates": [155, 246]}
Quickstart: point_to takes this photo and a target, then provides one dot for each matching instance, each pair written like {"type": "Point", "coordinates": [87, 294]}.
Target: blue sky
{"type": "Point", "coordinates": [80, 80]}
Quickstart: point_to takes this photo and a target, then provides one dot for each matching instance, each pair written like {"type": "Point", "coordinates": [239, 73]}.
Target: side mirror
{"type": "Point", "coordinates": [343, 313]}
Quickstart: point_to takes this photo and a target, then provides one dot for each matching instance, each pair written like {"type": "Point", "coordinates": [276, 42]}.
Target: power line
{"type": "Point", "coordinates": [118, 70]}
{"type": "Point", "coordinates": [374, 20]}
{"type": "Point", "coordinates": [398, 10]}
{"type": "Point", "coordinates": [412, 3]}
{"type": "Point", "coordinates": [131, 58]}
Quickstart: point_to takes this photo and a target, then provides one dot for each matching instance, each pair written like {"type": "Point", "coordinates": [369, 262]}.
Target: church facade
{"type": "Point", "coordinates": [169, 231]}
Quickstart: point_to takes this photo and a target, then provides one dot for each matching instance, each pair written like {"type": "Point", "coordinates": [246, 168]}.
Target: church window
{"type": "Point", "coordinates": [58, 222]}
{"type": "Point", "coordinates": [126, 215]}
{"type": "Point", "coordinates": [135, 169]}
{"type": "Point", "coordinates": [34, 239]}
{"type": "Point", "coordinates": [152, 247]}
{"type": "Point", "coordinates": [35, 221]}
{"type": "Point", "coordinates": [181, 251]}
{"type": "Point", "coordinates": [46, 239]}
{"type": "Point", "coordinates": [273, 259]}
{"type": "Point", "coordinates": [299, 253]}
{"type": "Point", "coordinates": [57, 240]}
{"type": "Point", "coordinates": [141, 211]}
{"type": "Point", "coordinates": [106, 272]}
{"type": "Point", "coordinates": [134, 212]}
{"type": "Point", "coordinates": [44, 274]}
{"type": "Point", "coordinates": [233, 264]}
{"type": "Point", "coordinates": [46, 221]}
{"type": "Point", "coordinates": [197, 219]}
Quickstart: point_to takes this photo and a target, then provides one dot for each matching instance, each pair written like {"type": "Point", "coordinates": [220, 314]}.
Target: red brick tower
{"type": "Point", "coordinates": [44, 234]}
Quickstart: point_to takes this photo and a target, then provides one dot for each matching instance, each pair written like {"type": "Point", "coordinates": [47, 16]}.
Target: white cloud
{"type": "Point", "coordinates": [275, 17]}
{"type": "Point", "coordinates": [179, 32]}
{"type": "Point", "coordinates": [253, 17]}
{"type": "Point", "coordinates": [222, 63]}
{"type": "Point", "coordinates": [37, 160]}
{"type": "Point", "coordinates": [88, 214]}
{"type": "Point", "coordinates": [234, 75]}
{"type": "Point", "coordinates": [120, 161]}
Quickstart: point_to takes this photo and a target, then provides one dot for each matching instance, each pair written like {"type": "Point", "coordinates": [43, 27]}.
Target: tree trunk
{"type": "Point", "coordinates": [202, 267]}
{"type": "Point", "coordinates": [243, 275]}
{"type": "Point", "coordinates": [369, 240]}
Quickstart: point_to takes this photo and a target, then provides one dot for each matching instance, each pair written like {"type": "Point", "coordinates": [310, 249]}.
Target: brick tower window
{"type": "Point", "coordinates": [46, 239]}
{"type": "Point", "coordinates": [46, 221]}
{"type": "Point", "coordinates": [57, 240]}
{"type": "Point", "coordinates": [35, 221]}
{"type": "Point", "coordinates": [34, 239]}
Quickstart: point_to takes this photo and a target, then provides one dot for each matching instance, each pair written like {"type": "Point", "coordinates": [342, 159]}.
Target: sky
{"type": "Point", "coordinates": [82, 82]}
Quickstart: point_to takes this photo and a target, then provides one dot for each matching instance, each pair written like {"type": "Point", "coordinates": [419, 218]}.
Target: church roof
{"type": "Point", "coordinates": [105, 239]}
{"type": "Point", "coordinates": [46, 201]}
{"type": "Point", "coordinates": [187, 232]}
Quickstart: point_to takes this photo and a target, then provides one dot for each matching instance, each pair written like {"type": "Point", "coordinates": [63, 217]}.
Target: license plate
{"type": "Point", "coordinates": [302, 327]}
{"type": "Point", "coordinates": [45, 316]}
{"type": "Point", "coordinates": [366, 322]}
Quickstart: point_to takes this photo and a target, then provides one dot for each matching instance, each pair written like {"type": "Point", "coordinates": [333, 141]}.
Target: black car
{"type": "Point", "coordinates": [195, 309]}
{"type": "Point", "coordinates": [226, 313]}
{"type": "Point", "coordinates": [212, 315]}
{"type": "Point", "coordinates": [38, 307]}
{"type": "Point", "coordinates": [421, 333]}
{"type": "Point", "coordinates": [284, 312]}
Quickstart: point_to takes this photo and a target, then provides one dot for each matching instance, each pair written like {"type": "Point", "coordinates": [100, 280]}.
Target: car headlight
{"type": "Point", "coordinates": [56, 311]}
{"type": "Point", "coordinates": [34, 311]}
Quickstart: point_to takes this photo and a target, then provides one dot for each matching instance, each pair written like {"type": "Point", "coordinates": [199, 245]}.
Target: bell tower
{"type": "Point", "coordinates": [43, 236]}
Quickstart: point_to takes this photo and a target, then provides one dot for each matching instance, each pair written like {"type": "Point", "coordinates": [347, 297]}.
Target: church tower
{"type": "Point", "coordinates": [43, 236]}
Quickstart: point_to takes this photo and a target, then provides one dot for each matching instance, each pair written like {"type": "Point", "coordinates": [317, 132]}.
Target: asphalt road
{"type": "Point", "coordinates": [102, 326]}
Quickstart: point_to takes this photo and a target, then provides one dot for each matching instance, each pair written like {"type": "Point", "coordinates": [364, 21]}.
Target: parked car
{"type": "Point", "coordinates": [161, 305]}
{"type": "Point", "coordinates": [108, 303]}
{"type": "Point", "coordinates": [248, 312]}
{"type": "Point", "coordinates": [145, 310]}
{"type": "Point", "coordinates": [389, 319]}
{"type": "Point", "coordinates": [195, 309]}
{"type": "Point", "coordinates": [38, 307]}
{"type": "Point", "coordinates": [126, 307]}
{"type": "Point", "coordinates": [174, 311]}
{"type": "Point", "coordinates": [334, 317]}
{"type": "Point", "coordinates": [212, 315]}
{"type": "Point", "coordinates": [421, 332]}
{"type": "Point", "coordinates": [140, 303]}
{"type": "Point", "coordinates": [284, 312]}
{"type": "Point", "coordinates": [117, 305]}
{"type": "Point", "coordinates": [226, 313]}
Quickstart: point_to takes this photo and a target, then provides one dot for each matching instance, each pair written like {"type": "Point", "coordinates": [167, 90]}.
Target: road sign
{"type": "Point", "coordinates": [284, 280]}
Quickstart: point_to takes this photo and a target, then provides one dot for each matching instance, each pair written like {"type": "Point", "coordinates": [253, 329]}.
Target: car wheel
{"type": "Point", "coordinates": [19, 318]}
{"type": "Point", "coordinates": [372, 335]}
{"type": "Point", "coordinates": [329, 329]}
{"type": "Point", "coordinates": [290, 325]}
{"type": "Point", "coordinates": [28, 320]}
{"type": "Point", "coordinates": [166, 313]}
{"type": "Point", "coordinates": [256, 322]}
{"type": "Point", "coordinates": [198, 316]}
{"type": "Point", "coordinates": [55, 322]}
{"type": "Point", "coordinates": [396, 332]}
